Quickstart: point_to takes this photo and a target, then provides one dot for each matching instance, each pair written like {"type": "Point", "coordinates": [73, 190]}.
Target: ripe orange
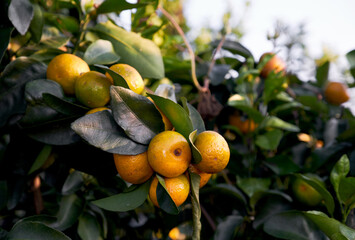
{"type": "Point", "coordinates": [94, 110]}
{"type": "Point", "coordinates": [177, 187]}
{"type": "Point", "coordinates": [93, 89]}
{"type": "Point", "coordinates": [336, 93]}
{"type": "Point", "coordinates": [305, 193]}
{"type": "Point", "coordinates": [204, 176]}
{"type": "Point", "coordinates": [214, 150]}
{"type": "Point", "coordinates": [65, 69]}
{"type": "Point", "coordinates": [130, 74]}
{"type": "Point", "coordinates": [169, 154]}
{"type": "Point", "coordinates": [134, 169]}
{"type": "Point", "coordinates": [275, 64]}
{"type": "Point", "coordinates": [245, 126]}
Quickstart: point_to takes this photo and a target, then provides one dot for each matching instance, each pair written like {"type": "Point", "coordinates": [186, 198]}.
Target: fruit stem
{"type": "Point", "coordinates": [191, 52]}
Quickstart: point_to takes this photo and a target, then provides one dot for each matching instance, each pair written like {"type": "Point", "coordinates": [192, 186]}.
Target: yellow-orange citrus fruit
{"type": "Point", "coordinates": [167, 124]}
{"type": "Point", "coordinates": [169, 154]}
{"type": "Point", "coordinates": [245, 126]}
{"type": "Point", "coordinates": [65, 69]}
{"type": "Point", "coordinates": [94, 110]}
{"type": "Point", "coordinates": [177, 187]}
{"type": "Point", "coordinates": [93, 89]}
{"type": "Point", "coordinates": [214, 150]}
{"type": "Point", "coordinates": [175, 234]}
{"type": "Point", "coordinates": [204, 176]}
{"type": "Point", "coordinates": [134, 169]}
{"type": "Point", "coordinates": [275, 64]}
{"type": "Point", "coordinates": [336, 93]}
{"type": "Point", "coordinates": [305, 193]}
{"type": "Point", "coordinates": [130, 75]}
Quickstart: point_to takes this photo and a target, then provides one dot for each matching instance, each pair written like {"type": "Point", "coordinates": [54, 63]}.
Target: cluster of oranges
{"type": "Point", "coordinates": [169, 153]}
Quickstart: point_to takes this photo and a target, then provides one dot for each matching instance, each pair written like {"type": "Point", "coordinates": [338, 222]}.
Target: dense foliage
{"type": "Point", "coordinates": [57, 175]}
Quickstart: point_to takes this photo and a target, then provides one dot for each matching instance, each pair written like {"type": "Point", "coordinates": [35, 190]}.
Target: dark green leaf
{"type": "Point", "coordinates": [46, 54]}
{"type": "Point", "coordinates": [282, 165]}
{"type": "Point", "coordinates": [37, 23]}
{"type": "Point", "coordinates": [196, 208]}
{"type": "Point", "coordinates": [264, 193]}
{"type": "Point", "coordinates": [70, 209]}
{"type": "Point", "coordinates": [339, 172]}
{"type": "Point", "coordinates": [118, 80]}
{"type": "Point", "coordinates": [252, 185]}
{"type": "Point", "coordinates": [3, 193]}
{"type": "Point", "coordinates": [45, 219]}
{"type": "Point", "coordinates": [286, 106]}
{"type": "Point", "coordinates": [275, 122]}
{"type": "Point", "coordinates": [351, 59]}
{"type": "Point", "coordinates": [100, 130]}
{"type": "Point", "coordinates": [54, 42]}
{"type": "Point", "coordinates": [12, 85]}
{"type": "Point", "coordinates": [347, 191]}
{"type": "Point", "coordinates": [20, 14]}
{"type": "Point", "coordinates": [218, 73]}
{"type": "Point", "coordinates": [227, 189]}
{"type": "Point", "coordinates": [196, 155]}
{"type": "Point", "coordinates": [41, 158]}
{"type": "Point", "coordinates": [116, 6]}
{"type": "Point", "coordinates": [292, 225]}
{"type": "Point", "coordinates": [272, 86]}
{"type": "Point", "coordinates": [100, 52]}
{"type": "Point", "coordinates": [196, 119]}
{"type": "Point", "coordinates": [270, 140]}
{"type": "Point", "coordinates": [64, 106]}
{"type": "Point", "coordinates": [175, 113]}
{"type": "Point", "coordinates": [164, 200]}
{"type": "Point", "coordinates": [330, 226]}
{"type": "Point", "coordinates": [135, 114]}
{"type": "Point", "coordinates": [125, 201]}
{"type": "Point", "coordinates": [35, 230]}
{"type": "Point", "coordinates": [248, 110]}
{"type": "Point", "coordinates": [73, 183]}
{"type": "Point", "coordinates": [322, 74]}
{"type": "Point", "coordinates": [327, 197]}
{"type": "Point", "coordinates": [227, 228]}
{"type": "Point", "coordinates": [5, 34]}
{"type": "Point", "coordinates": [140, 53]}
{"type": "Point", "coordinates": [89, 227]}
{"type": "Point", "coordinates": [314, 103]}
{"type": "Point", "coordinates": [235, 47]}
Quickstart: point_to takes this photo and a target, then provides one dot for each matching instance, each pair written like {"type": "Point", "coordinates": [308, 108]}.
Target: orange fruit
{"type": "Point", "coordinates": [93, 89]}
{"type": "Point", "coordinates": [169, 154]}
{"type": "Point", "coordinates": [134, 169]}
{"type": "Point", "coordinates": [214, 150]}
{"type": "Point", "coordinates": [167, 124]}
{"type": "Point", "coordinates": [131, 76]}
{"type": "Point", "coordinates": [205, 177]}
{"type": "Point", "coordinates": [336, 93]}
{"type": "Point", "coordinates": [65, 69]}
{"type": "Point", "coordinates": [94, 110]}
{"type": "Point", "coordinates": [175, 234]}
{"type": "Point", "coordinates": [305, 193]}
{"type": "Point", "coordinates": [245, 126]}
{"type": "Point", "coordinates": [275, 64]}
{"type": "Point", "coordinates": [177, 187]}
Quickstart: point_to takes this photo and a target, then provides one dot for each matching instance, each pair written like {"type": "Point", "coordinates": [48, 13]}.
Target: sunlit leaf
{"type": "Point", "coordinates": [116, 6]}
{"type": "Point", "coordinates": [100, 52]}
{"type": "Point", "coordinates": [196, 119]}
{"type": "Point", "coordinates": [275, 122]}
{"type": "Point", "coordinates": [21, 13]}
{"type": "Point", "coordinates": [270, 140]}
{"type": "Point", "coordinates": [339, 172]}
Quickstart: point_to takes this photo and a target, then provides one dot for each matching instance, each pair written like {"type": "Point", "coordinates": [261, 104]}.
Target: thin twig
{"type": "Point", "coordinates": [189, 48]}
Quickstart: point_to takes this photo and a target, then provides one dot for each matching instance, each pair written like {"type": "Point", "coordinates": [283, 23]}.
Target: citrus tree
{"type": "Point", "coordinates": [109, 133]}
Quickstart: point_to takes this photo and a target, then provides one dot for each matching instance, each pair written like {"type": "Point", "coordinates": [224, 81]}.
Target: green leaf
{"type": "Point", "coordinates": [282, 165]}
{"type": "Point", "coordinates": [71, 207]}
{"type": "Point", "coordinates": [116, 6]}
{"type": "Point", "coordinates": [64, 106]}
{"type": "Point", "coordinates": [286, 106]}
{"type": "Point", "coordinates": [252, 185]}
{"type": "Point", "coordinates": [350, 56]}
{"type": "Point", "coordinates": [314, 104]}
{"type": "Point", "coordinates": [292, 225]}
{"type": "Point", "coordinates": [140, 53]}
{"type": "Point", "coordinates": [166, 91]}
{"type": "Point", "coordinates": [196, 208]}
{"type": "Point", "coordinates": [272, 86]}
{"type": "Point", "coordinates": [37, 23]}
{"type": "Point", "coordinates": [327, 197]}
{"type": "Point", "coordinates": [118, 80]}
{"type": "Point", "coordinates": [12, 84]}
{"type": "Point", "coordinates": [20, 14]}
{"type": "Point", "coordinates": [196, 155]}
{"type": "Point", "coordinates": [46, 54]}
{"type": "Point", "coordinates": [100, 52]}
{"type": "Point", "coordinates": [347, 191]}
{"type": "Point", "coordinates": [73, 183]}
{"type": "Point", "coordinates": [125, 201]}
{"type": "Point", "coordinates": [164, 199]}
{"type": "Point", "coordinates": [330, 226]}
{"type": "Point", "coordinates": [100, 130]}
{"type": "Point", "coordinates": [270, 140]}
{"type": "Point", "coordinates": [196, 119]}
{"type": "Point", "coordinates": [54, 42]}
{"type": "Point", "coordinates": [175, 113]}
{"type": "Point", "coordinates": [263, 193]}
{"type": "Point", "coordinates": [218, 73]}
{"type": "Point", "coordinates": [35, 230]}
{"type": "Point", "coordinates": [41, 158]}
{"type": "Point", "coordinates": [227, 189]}
{"type": "Point", "coordinates": [227, 228]}
{"type": "Point", "coordinates": [339, 172]}
{"type": "Point", "coordinates": [322, 73]}
{"type": "Point", "coordinates": [135, 114]}
{"type": "Point", "coordinates": [275, 122]}
{"type": "Point", "coordinates": [235, 47]}
{"type": "Point", "coordinates": [248, 110]}
{"type": "Point", "coordinates": [89, 227]}
{"type": "Point", "coordinates": [5, 34]}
